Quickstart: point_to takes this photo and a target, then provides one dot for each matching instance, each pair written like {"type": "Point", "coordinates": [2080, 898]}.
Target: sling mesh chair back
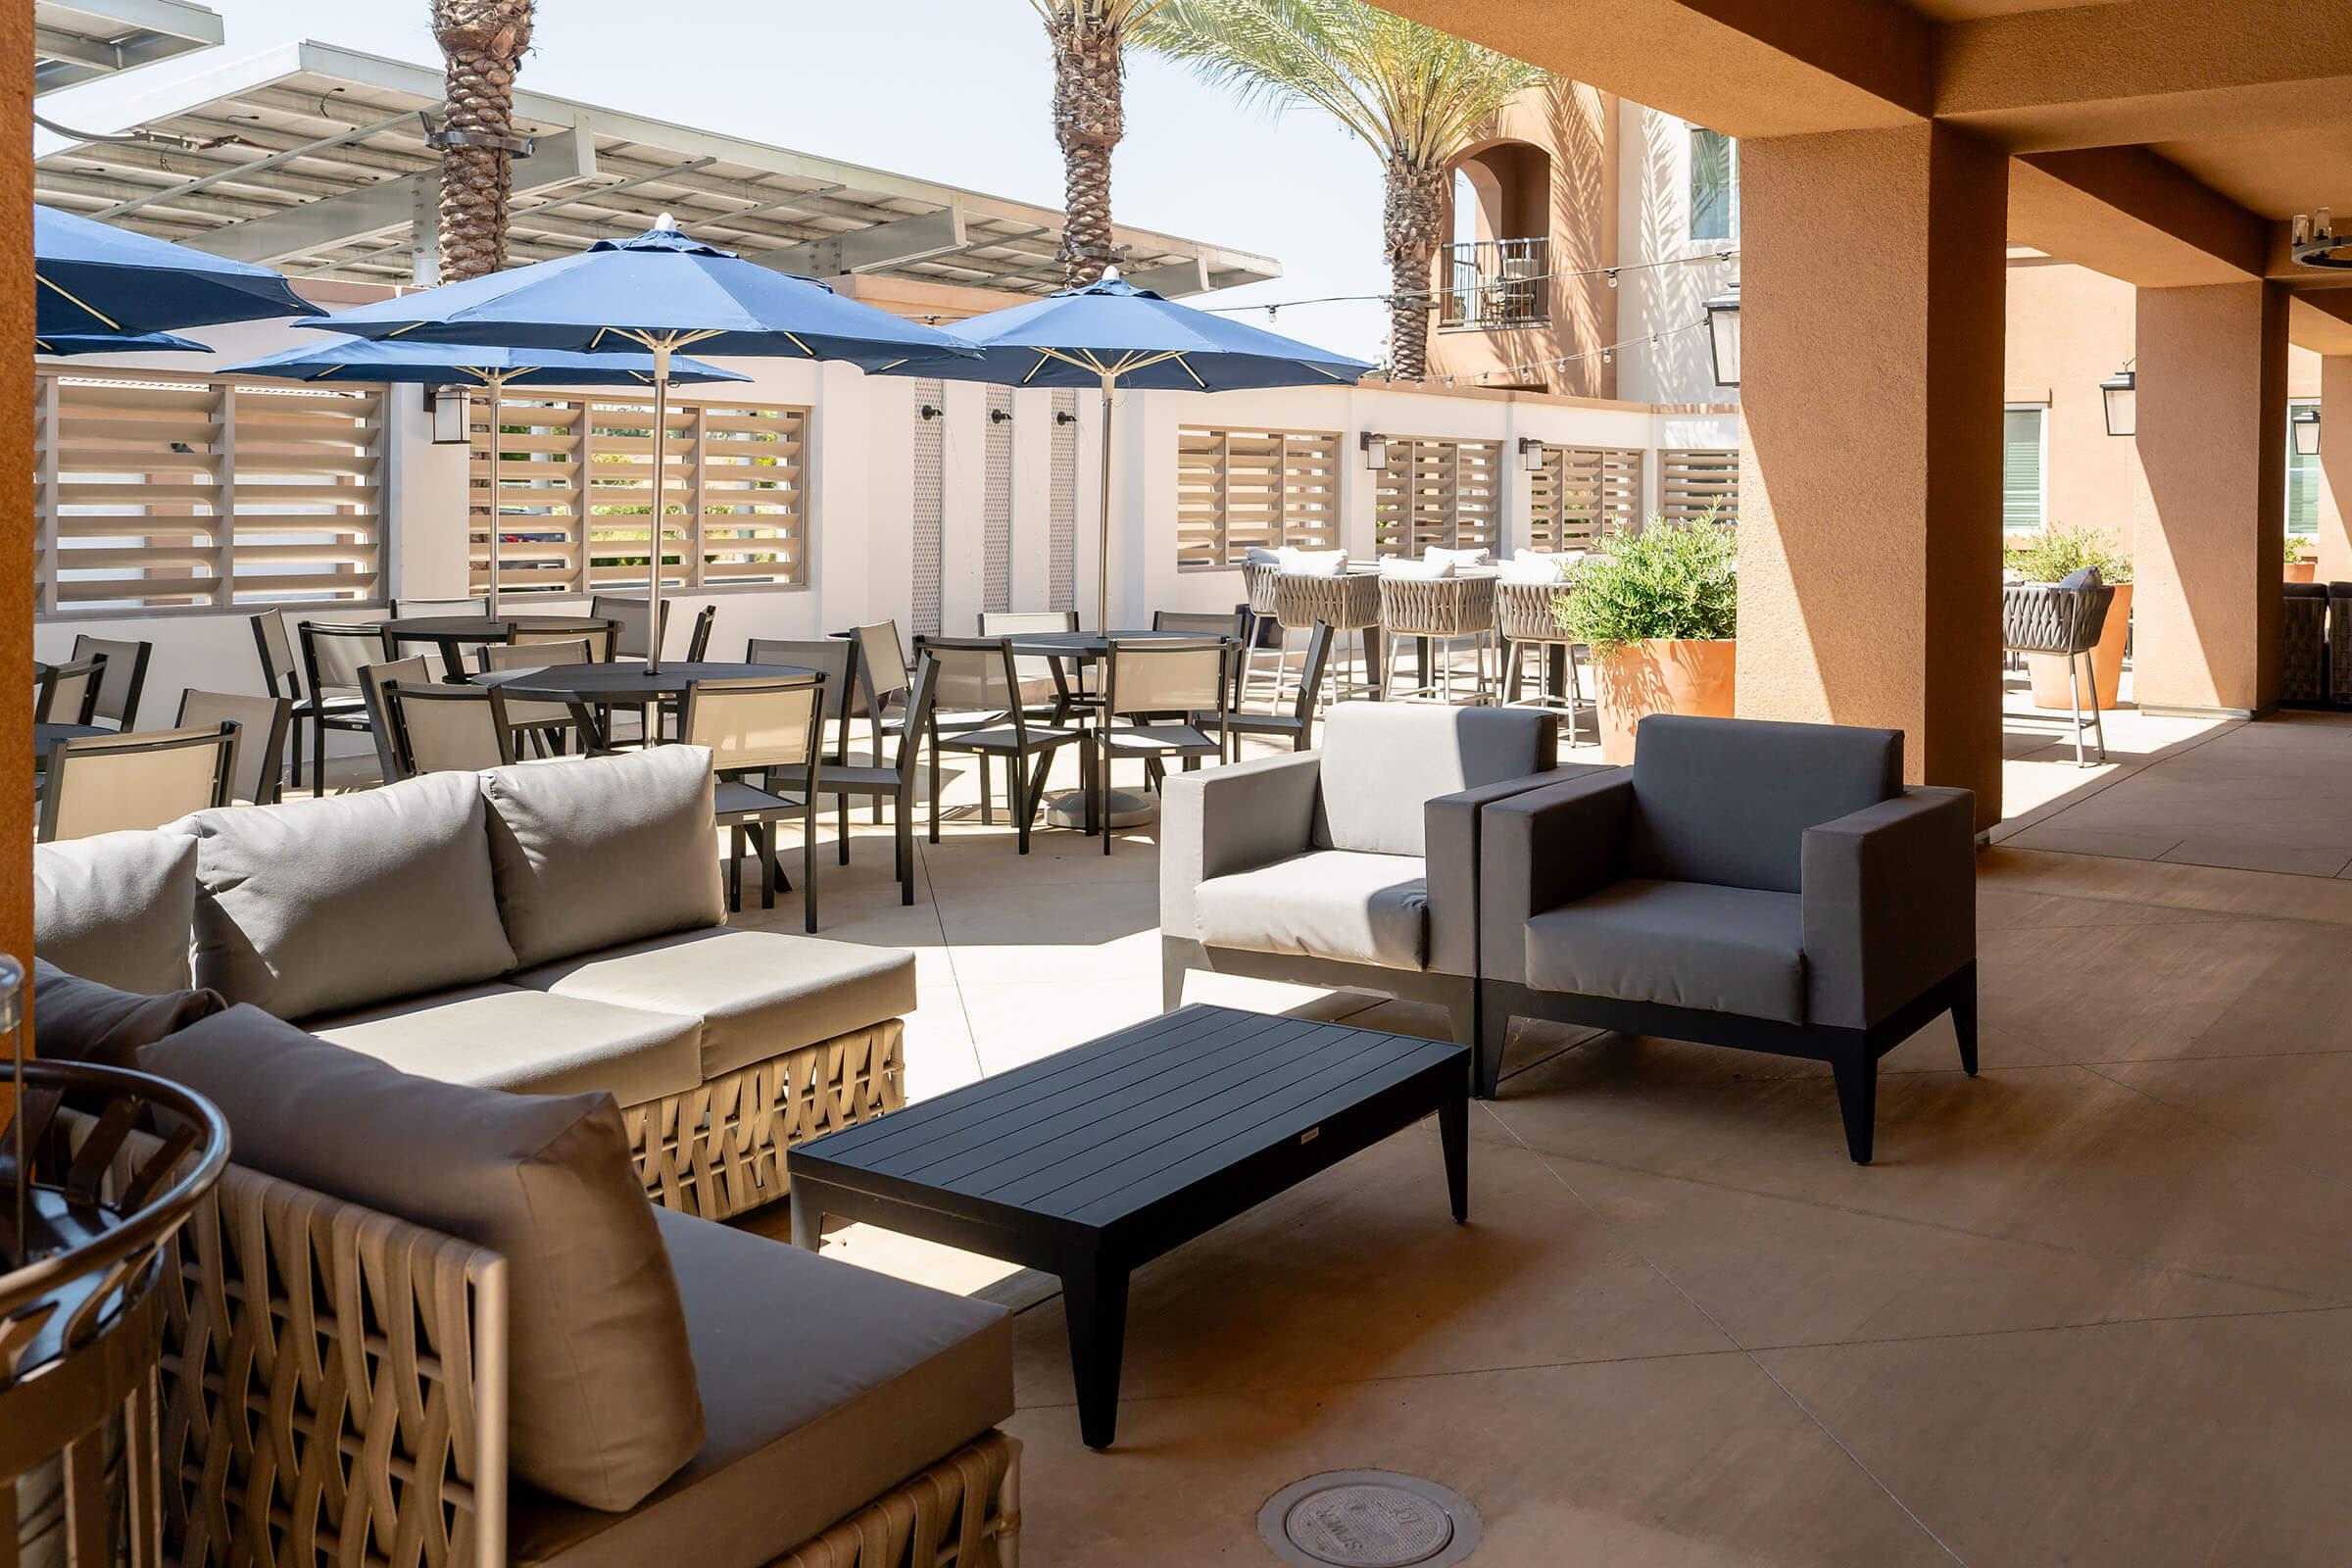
{"type": "Point", "coordinates": [410, 609]}
{"type": "Point", "coordinates": [68, 693]}
{"type": "Point", "coordinates": [773, 726]}
{"type": "Point", "coordinates": [599, 642]}
{"type": "Point", "coordinates": [334, 655]}
{"type": "Point", "coordinates": [1146, 681]}
{"type": "Point", "coordinates": [631, 621]}
{"type": "Point", "coordinates": [1040, 683]}
{"type": "Point", "coordinates": [112, 784]}
{"type": "Point", "coordinates": [274, 646]}
{"type": "Point", "coordinates": [977, 709]}
{"type": "Point", "coordinates": [835, 659]}
{"type": "Point", "coordinates": [448, 729]}
{"type": "Point", "coordinates": [415, 670]}
{"type": "Point", "coordinates": [261, 724]}
{"type": "Point", "coordinates": [125, 678]}
{"type": "Point", "coordinates": [537, 720]}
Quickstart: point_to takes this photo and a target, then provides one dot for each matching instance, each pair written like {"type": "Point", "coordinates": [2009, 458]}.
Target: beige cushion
{"type": "Point", "coordinates": [1383, 762]}
{"type": "Point", "coordinates": [758, 993]}
{"type": "Point", "coordinates": [1329, 904]}
{"type": "Point", "coordinates": [597, 851]}
{"type": "Point", "coordinates": [600, 1388]}
{"type": "Point", "coordinates": [80, 1020]}
{"type": "Point", "coordinates": [116, 907]}
{"type": "Point", "coordinates": [505, 1037]}
{"type": "Point", "coordinates": [327, 904]}
{"type": "Point", "coordinates": [823, 1385]}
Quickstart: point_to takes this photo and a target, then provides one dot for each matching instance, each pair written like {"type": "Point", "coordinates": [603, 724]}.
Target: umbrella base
{"type": "Point", "coordinates": [1126, 811]}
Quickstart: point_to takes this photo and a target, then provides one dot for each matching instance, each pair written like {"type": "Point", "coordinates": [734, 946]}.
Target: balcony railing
{"type": "Point", "coordinates": [1494, 283]}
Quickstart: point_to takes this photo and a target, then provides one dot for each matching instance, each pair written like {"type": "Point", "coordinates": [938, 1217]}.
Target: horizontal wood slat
{"type": "Point", "coordinates": [1239, 490]}
{"type": "Point", "coordinates": [576, 490]}
{"type": "Point", "coordinates": [1446, 494]}
{"type": "Point", "coordinates": [1697, 481]}
{"type": "Point", "coordinates": [1581, 493]}
{"type": "Point", "coordinates": [166, 491]}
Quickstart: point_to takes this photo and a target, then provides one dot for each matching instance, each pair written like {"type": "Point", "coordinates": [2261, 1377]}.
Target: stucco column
{"type": "Point", "coordinates": [2335, 468]}
{"type": "Point", "coordinates": [1873, 279]}
{"type": "Point", "coordinates": [2209, 517]}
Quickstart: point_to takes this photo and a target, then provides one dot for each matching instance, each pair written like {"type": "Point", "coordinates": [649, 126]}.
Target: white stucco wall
{"type": "Point", "coordinates": [1653, 225]}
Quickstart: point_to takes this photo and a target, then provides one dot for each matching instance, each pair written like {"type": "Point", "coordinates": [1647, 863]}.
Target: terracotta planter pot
{"type": "Point", "coordinates": [2302, 570]}
{"type": "Point", "coordinates": [1664, 676]}
{"type": "Point", "coordinates": [2049, 670]}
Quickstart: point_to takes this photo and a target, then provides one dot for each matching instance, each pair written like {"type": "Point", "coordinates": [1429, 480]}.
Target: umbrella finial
{"type": "Point", "coordinates": [1110, 273]}
{"type": "Point", "coordinates": [668, 221]}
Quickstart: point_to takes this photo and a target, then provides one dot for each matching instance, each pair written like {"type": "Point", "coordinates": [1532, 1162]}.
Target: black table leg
{"type": "Point", "coordinates": [1094, 1297]}
{"type": "Point", "coordinates": [1453, 1135]}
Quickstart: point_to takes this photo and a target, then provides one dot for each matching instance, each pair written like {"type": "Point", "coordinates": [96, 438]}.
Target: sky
{"type": "Point", "coordinates": [952, 90]}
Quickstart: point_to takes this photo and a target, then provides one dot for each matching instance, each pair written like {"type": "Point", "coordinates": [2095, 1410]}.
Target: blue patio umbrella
{"type": "Point", "coordinates": [659, 292]}
{"type": "Point", "coordinates": [95, 277]}
{"type": "Point", "coordinates": [62, 344]}
{"type": "Point", "coordinates": [1110, 334]}
{"type": "Point", "coordinates": [493, 369]}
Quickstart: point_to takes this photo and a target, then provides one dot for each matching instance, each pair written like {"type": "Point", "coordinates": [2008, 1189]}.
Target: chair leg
{"type": "Point", "coordinates": [1171, 977]}
{"type": "Point", "coordinates": [1019, 805]}
{"type": "Point", "coordinates": [1494, 1036]}
{"type": "Point", "coordinates": [988, 816]}
{"type": "Point", "coordinates": [808, 861]}
{"type": "Point", "coordinates": [2074, 694]}
{"type": "Point", "coordinates": [1964, 1026]}
{"type": "Point", "coordinates": [2098, 727]}
{"type": "Point", "coordinates": [735, 869]}
{"type": "Point", "coordinates": [904, 832]}
{"type": "Point", "coordinates": [934, 778]}
{"type": "Point", "coordinates": [1857, 1073]}
{"type": "Point", "coordinates": [763, 838]}
{"type": "Point", "coordinates": [1513, 660]}
{"type": "Point", "coordinates": [318, 758]}
{"type": "Point", "coordinates": [843, 809]}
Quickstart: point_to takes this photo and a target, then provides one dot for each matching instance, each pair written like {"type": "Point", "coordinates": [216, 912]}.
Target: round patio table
{"type": "Point", "coordinates": [1068, 808]}
{"type": "Point", "coordinates": [450, 633]}
{"type": "Point", "coordinates": [623, 683]}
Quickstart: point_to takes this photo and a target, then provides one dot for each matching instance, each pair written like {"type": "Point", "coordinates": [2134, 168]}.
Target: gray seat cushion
{"type": "Point", "coordinates": [1729, 799]}
{"type": "Point", "coordinates": [510, 1037]}
{"type": "Point", "coordinates": [602, 1403]}
{"type": "Point", "coordinates": [324, 905]}
{"type": "Point", "coordinates": [564, 835]}
{"type": "Point", "coordinates": [1383, 762]}
{"type": "Point", "coordinates": [1685, 944]}
{"type": "Point", "coordinates": [823, 1385]}
{"type": "Point", "coordinates": [116, 907]}
{"type": "Point", "coordinates": [759, 994]}
{"type": "Point", "coordinates": [1325, 903]}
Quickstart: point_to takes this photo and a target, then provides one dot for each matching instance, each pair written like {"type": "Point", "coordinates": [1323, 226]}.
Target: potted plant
{"type": "Point", "coordinates": [2302, 557]}
{"type": "Point", "coordinates": [1659, 608]}
{"type": "Point", "coordinates": [2050, 557]}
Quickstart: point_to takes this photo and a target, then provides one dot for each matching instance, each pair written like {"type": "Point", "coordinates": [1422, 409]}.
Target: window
{"type": "Point", "coordinates": [1236, 489]}
{"type": "Point", "coordinates": [1582, 492]}
{"type": "Point", "coordinates": [576, 492]}
{"type": "Point", "coordinates": [2302, 478]}
{"type": "Point", "coordinates": [155, 491]}
{"type": "Point", "coordinates": [1696, 482]}
{"type": "Point", "coordinates": [1442, 493]}
{"type": "Point", "coordinates": [2023, 491]}
{"type": "Point", "coordinates": [1714, 185]}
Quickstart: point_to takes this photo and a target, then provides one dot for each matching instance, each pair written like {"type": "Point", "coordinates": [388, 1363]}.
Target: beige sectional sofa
{"type": "Point", "coordinates": [549, 928]}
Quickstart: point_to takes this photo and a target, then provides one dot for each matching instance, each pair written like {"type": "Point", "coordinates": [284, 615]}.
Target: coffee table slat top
{"type": "Point", "coordinates": [1108, 1129]}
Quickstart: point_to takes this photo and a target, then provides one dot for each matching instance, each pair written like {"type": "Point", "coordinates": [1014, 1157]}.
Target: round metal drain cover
{"type": "Point", "coordinates": [1368, 1519]}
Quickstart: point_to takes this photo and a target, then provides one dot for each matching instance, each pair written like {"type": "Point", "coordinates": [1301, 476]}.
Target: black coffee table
{"type": "Point", "coordinates": [1091, 1162]}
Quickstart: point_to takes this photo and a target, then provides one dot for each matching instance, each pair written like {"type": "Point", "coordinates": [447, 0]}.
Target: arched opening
{"type": "Point", "coordinates": [1492, 275]}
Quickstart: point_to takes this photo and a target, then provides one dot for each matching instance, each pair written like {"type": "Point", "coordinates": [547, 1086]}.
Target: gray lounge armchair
{"type": "Point", "coordinates": [1353, 866]}
{"type": "Point", "coordinates": [1764, 886]}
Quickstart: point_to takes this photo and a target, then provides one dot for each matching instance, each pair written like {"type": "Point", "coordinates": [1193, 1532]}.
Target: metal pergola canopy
{"type": "Point", "coordinates": [327, 174]}
{"type": "Point", "coordinates": [94, 39]}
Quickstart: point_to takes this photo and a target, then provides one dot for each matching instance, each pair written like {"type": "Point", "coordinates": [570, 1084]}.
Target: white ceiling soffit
{"type": "Point", "coordinates": [77, 43]}
{"type": "Point", "coordinates": [328, 172]}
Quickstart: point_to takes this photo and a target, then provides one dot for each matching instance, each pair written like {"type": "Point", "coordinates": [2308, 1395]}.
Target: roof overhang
{"type": "Point", "coordinates": [93, 39]}
{"type": "Point", "coordinates": [327, 174]}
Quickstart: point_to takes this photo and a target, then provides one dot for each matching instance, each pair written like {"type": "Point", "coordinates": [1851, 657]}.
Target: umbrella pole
{"type": "Point", "coordinates": [653, 572]}
{"type": "Point", "coordinates": [498, 386]}
{"type": "Point", "coordinates": [1102, 552]}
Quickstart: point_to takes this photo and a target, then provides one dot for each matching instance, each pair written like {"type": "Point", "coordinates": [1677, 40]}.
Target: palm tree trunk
{"type": "Point", "coordinates": [481, 41]}
{"type": "Point", "coordinates": [1412, 219]}
{"type": "Point", "coordinates": [1088, 119]}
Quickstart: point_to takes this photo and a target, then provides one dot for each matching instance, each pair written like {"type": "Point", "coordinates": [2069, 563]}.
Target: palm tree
{"type": "Point", "coordinates": [1090, 116]}
{"type": "Point", "coordinates": [481, 42]}
{"type": "Point", "coordinates": [1411, 93]}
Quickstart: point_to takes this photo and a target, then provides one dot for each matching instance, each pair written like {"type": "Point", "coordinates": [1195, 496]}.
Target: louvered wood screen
{"type": "Point", "coordinates": [175, 491]}
{"type": "Point", "coordinates": [1236, 489]}
{"type": "Point", "coordinates": [575, 481]}
{"type": "Point", "coordinates": [1694, 481]}
{"type": "Point", "coordinates": [1581, 493]}
{"type": "Point", "coordinates": [1442, 493]}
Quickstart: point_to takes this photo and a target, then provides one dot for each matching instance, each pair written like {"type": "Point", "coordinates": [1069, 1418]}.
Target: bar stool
{"type": "Point", "coordinates": [1524, 618]}
{"type": "Point", "coordinates": [2067, 619]}
{"type": "Point", "coordinates": [1257, 581]}
{"type": "Point", "coordinates": [1348, 603]}
{"type": "Point", "coordinates": [1441, 611]}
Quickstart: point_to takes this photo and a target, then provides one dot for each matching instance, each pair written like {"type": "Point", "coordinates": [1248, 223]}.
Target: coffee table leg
{"type": "Point", "coordinates": [1094, 1300]}
{"type": "Point", "coordinates": [807, 1218]}
{"type": "Point", "coordinates": [1453, 1133]}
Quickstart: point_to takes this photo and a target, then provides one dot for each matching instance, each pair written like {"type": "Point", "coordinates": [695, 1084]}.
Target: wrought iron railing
{"type": "Point", "coordinates": [1497, 284]}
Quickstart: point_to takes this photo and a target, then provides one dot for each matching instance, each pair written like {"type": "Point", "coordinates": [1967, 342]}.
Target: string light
{"type": "Point", "coordinates": [1607, 354]}
{"type": "Point", "coordinates": [1609, 273]}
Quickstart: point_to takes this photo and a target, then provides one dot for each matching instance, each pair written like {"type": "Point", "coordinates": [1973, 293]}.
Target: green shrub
{"type": "Point", "coordinates": [1672, 581]}
{"type": "Point", "coordinates": [2054, 553]}
{"type": "Point", "coordinates": [2298, 543]}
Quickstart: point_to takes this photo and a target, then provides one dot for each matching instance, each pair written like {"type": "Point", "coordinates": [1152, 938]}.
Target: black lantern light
{"type": "Point", "coordinates": [1376, 450]}
{"type": "Point", "coordinates": [1723, 336]}
{"type": "Point", "coordinates": [1533, 453]}
{"type": "Point", "coordinates": [446, 406]}
{"type": "Point", "coordinates": [2304, 421]}
{"type": "Point", "coordinates": [2122, 392]}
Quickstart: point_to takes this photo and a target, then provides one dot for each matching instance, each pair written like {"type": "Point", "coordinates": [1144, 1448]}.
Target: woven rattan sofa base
{"type": "Point", "coordinates": [963, 1512]}
{"type": "Point", "coordinates": [718, 1148]}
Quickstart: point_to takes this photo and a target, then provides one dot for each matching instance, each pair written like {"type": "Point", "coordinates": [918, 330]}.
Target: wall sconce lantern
{"type": "Point", "coordinates": [1000, 415]}
{"type": "Point", "coordinates": [1531, 453]}
{"type": "Point", "coordinates": [1723, 336]}
{"type": "Point", "coordinates": [1376, 450]}
{"type": "Point", "coordinates": [2304, 421]}
{"type": "Point", "coordinates": [446, 406]}
{"type": "Point", "coordinates": [2122, 392]}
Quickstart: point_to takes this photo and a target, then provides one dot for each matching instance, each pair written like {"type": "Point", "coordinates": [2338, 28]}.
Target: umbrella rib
{"type": "Point", "coordinates": [112, 324]}
{"type": "Point", "coordinates": [1186, 365]}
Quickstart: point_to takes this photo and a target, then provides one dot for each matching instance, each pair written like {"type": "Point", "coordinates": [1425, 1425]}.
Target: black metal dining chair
{"type": "Point", "coordinates": [894, 781]}
{"type": "Point", "coordinates": [1146, 680]}
{"type": "Point", "coordinates": [125, 678]}
{"type": "Point", "coordinates": [836, 661]}
{"type": "Point", "coordinates": [333, 656]}
{"type": "Point", "coordinates": [121, 783]}
{"type": "Point", "coordinates": [439, 728]}
{"type": "Point", "coordinates": [68, 693]}
{"type": "Point", "coordinates": [769, 726]}
{"type": "Point", "coordinates": [259, 776]}
{"type": "Point", "coordinates": [978, 675]}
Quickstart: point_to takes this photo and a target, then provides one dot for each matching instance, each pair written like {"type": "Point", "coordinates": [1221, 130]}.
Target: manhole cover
{"type": "Point", "coordinates": [1368, 1519]}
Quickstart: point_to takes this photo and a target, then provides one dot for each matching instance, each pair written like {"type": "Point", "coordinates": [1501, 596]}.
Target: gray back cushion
{"type": "Point", "coordinates": [594, 852]}
{"type": "Point", "coordinates": [329, 905]}
{"type": "Point", "coordinates": [82, 1020]}
{"type": "Point", "coordinates": [601, 1385]}
{"type": "Point", "coordinates": [1383, 762]}
{"type": "Point", "coordinates": [116, 907]}
{"type": "Point", "coordinates": [1728, 800]}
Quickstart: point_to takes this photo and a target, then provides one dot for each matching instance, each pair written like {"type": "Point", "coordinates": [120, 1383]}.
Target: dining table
{"type": "Point", "coordinates": [624, 683]}
{"type": "Point", "coordinates": [453, 634]}
{"type": "Point", "coordinates": [46, 735]}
